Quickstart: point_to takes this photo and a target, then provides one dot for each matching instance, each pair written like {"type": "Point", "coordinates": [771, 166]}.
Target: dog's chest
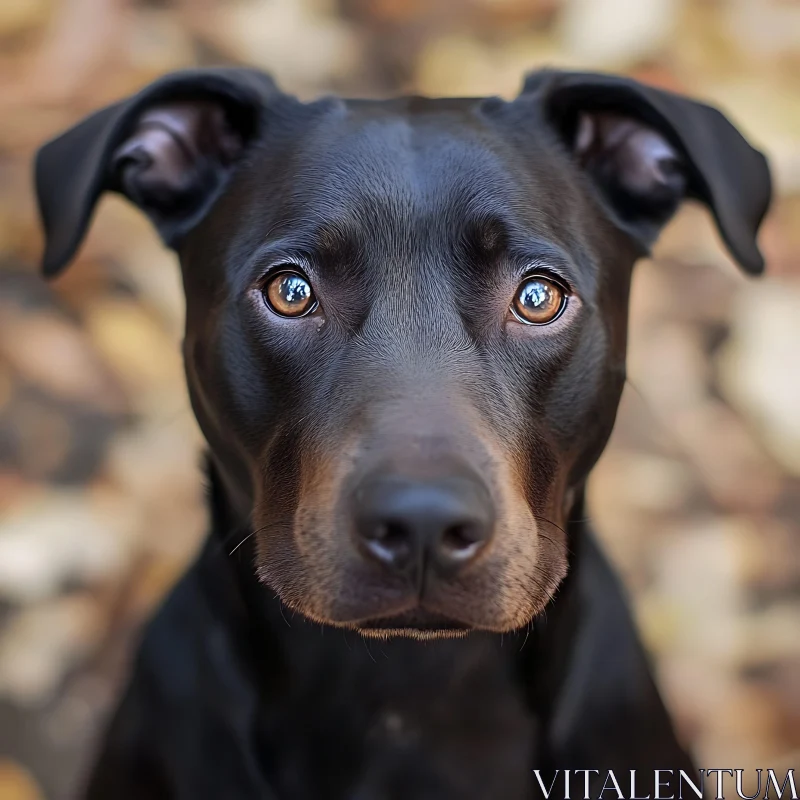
{"type": "Point", "coordinates": [396, 720]}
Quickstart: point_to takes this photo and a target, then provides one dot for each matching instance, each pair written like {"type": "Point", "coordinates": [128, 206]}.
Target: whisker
{"type": "Point", "coordinates": [254, 533]}
{"type": "Point", "coordinates": [549, 538]}
{"type": "Point", "coordinates": [550, 522]}
{"type": "Point", "coordinates": [527, 634]}
{"type": "Point", "coordinates": [366, 647]}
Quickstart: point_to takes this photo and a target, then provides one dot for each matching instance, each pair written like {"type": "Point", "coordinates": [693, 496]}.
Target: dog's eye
{"type": "Point", "coordinates": [290, 295]}
{"type": "Point", "coordinates": [538, 301]}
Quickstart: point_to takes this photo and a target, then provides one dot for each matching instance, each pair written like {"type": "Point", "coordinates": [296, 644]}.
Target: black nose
{"type": "Point", "coordinates": [405, 523]}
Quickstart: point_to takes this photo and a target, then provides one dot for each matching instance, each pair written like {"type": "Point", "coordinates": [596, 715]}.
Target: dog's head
{"type": "Point", "coordinates": [406, 320]}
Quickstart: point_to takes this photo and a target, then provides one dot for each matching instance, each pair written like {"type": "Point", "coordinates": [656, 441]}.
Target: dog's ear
{"type": "Point", "coordinates": [648, 149]}
{"type": "Point", "coordinates": [169, 149]}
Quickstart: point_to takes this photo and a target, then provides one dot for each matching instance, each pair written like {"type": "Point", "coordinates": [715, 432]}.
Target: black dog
{"type": "Point", "coordinates": [405, 344]}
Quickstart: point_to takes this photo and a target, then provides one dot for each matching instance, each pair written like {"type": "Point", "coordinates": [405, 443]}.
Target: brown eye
{"type": "Point", "coordinates": [538, 301]}
{"type": "Point", "coordinates": [290, 295]}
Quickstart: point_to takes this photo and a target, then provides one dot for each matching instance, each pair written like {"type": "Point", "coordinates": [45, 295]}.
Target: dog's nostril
{"type": "Point", "coordinates": [390, 542]}
{"type": "Point", "coordinates": [462, 541]}
{"type": "Point", "coordinates": [389, 533]}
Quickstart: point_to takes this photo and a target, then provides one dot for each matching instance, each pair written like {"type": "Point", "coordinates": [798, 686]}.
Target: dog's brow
{"type": "Point", "coordinates": [488, 233]}
{"type": "Point", "coordinates": [494, 234]}
{"type": "Point", "coordinates": [334, 238]}
{"type": "Point", "coordinates": [332, 243]}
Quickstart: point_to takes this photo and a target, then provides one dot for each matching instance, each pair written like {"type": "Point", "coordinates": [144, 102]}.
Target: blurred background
{"type": "Point", "coordinates": [697, 498]}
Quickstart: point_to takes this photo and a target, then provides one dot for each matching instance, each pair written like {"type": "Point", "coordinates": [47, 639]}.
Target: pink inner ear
{"type": "Point", "coordinates": [637, 156]}
{"type": "Point", "coordinates": [201, 127]}
{"type": "Point", "coordinates": [170, 141]}
{"type": "Point", "coordinates": [158, 151]}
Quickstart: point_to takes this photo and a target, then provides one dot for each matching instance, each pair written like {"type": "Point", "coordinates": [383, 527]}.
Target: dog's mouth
{"type": "Point", "coordinates": [417, 624]}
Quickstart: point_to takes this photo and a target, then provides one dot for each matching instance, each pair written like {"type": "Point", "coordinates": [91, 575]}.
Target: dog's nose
{"type": "Point", "coordinates": [406, 524]}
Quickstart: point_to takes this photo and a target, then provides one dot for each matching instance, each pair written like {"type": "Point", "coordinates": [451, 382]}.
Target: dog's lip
{"type": "Point", "coordinates": [417, 619]}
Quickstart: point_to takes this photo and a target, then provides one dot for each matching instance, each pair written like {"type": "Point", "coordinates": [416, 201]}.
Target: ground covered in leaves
{"type": "Point", "coordinates": [697, 498]}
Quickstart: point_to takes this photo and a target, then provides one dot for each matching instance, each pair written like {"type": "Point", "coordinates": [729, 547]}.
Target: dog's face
{"type": "Point", "coordinates": [413, 332]}
{"type": "Point", "coordinates": [406, 320]}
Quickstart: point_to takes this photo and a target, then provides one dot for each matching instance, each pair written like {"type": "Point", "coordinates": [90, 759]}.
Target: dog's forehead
{"type": "Point", "coordinates": [352, 181]}
{"type": "Point", "coordinates": [414, 155]}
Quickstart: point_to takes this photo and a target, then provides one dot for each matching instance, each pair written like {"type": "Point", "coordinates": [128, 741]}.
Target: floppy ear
{"type": "Point", "coordinates": [648, 149]}
{"type": "Point", "coordinates": [169, 149]}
